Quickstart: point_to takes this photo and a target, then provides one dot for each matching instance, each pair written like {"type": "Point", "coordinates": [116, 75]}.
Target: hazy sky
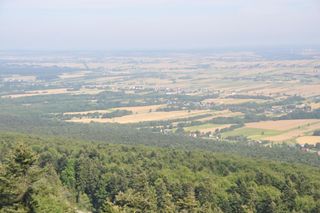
{"type": "Point", "coordinates": [156, 24]}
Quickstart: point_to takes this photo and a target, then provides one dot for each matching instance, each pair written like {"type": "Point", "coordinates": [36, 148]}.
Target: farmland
{"type": "Point", "coordinates": [211, 95]}
{"type": "Point", "coordinates": [143, 117]}
{"type": "Point", "coordinates": [206, 127]}
{"type": "Point", "coordinates": [308, 139]}
{"type": "Point", "coordinates": [112, 118]}
{"type": "Point", "coordinates": [280, 131]}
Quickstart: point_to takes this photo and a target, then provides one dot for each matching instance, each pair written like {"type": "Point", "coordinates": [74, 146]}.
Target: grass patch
{"type": "Point", "coordinates": [252, 133]}
{"type": "Point", "coordinates": [202, 126]}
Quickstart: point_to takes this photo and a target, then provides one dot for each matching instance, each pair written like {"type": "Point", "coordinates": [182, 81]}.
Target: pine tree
{"type": "Point", "coordinates": [164, 203]}
{"type": "Point", "coordinates": [267, 205]}
{"type": "Point", "coordinates": [17, 177]}
{"type": "Point", "coordinates": [137, 201]}
{"type": "Point", "coordinates": [188, 203]}
{"type": "Point", "coordinates": [289, 195]}
{"type": "Point", "coordinates": [108, 207]}
{"type": "Point", "coordinates": [68, 174]}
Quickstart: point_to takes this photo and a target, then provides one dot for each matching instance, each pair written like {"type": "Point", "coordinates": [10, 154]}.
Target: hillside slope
{"type": "Point", "coordinates": [102, 177]}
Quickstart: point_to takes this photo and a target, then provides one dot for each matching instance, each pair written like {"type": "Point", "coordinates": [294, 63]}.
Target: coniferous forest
{"type": "Point", "coordinates": [63, 175]}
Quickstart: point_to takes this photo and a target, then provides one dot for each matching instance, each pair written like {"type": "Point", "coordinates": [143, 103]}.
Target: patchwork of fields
{"type": "Point", "coordinates": [219, 95]}
{"type": "Point", "coordinates": [280, 131]}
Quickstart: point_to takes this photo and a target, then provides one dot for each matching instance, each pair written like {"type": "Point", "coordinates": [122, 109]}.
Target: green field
{"type": "Point", "coordinates": [200, 127]}
{"type": "Point", "coordinates": [252, 133]}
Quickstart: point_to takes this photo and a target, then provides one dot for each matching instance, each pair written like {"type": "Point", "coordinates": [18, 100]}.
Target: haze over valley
{"type": "Point", "coordinates": [159, 106]}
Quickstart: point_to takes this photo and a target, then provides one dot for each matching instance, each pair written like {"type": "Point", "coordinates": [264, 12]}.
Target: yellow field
{"type": "Point", "coordinates": [38, 92]}
{"type": "Point", "coordinates": [290, 88]}
{"type": "Point", "coordinates": [135, 110]}
{"type": "Point", "coordinates": [305, 90]}
{"type": "Point", "coordinates": [287, 136]}
{"type": "Point", "coordinates": [54, 92]}
{"type": "Point", "coordinates": [308, 140]}
{"type": "Point", "coordinates": [295, 133]}
{"type": "Point", "coordinates": [290, 129]}
{"type": "Point", "coordinates": [142, 117]}
{"type": "Point", "coordinates": [315, 105]}
{"type": "Point", "coordinates": [185, 67]}
{"type": "Point", "coordinates": [281, 125]}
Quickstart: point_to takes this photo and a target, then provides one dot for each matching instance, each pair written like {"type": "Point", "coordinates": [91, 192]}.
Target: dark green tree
{"type": "Point", "coordinates": [164, 203]}
{"type": "Point", "coordinates": [17, 177]}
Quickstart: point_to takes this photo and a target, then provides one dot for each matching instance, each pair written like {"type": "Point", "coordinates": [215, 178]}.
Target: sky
{"type": "Point", "coordinates": [157, 24]}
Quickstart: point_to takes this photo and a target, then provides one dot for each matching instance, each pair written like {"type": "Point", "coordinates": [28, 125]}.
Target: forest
{"type": "Point", "coordinates": [65, 175]}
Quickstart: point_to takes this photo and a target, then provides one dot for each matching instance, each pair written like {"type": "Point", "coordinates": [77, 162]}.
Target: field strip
{"type": "Point", "coordinates": [136, 109]}
{"type": "Point", "coordinates": [308, 139]}
{"type": "Point", "coordinates": [282, 125]}
{"type": "Point", "coordinates": [53, 92]}
{"type": "Point", "coordinates": [295, 133]}
{"type": "Point", "coordinates": [143, 117]}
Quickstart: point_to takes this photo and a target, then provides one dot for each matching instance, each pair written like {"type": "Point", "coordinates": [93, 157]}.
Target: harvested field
{"type": "Point", "coordinates": [38, 92]}
{"type": "Point", "coordinates": [315, 105]}
{"type": "Point", "coordinates": [135, 110]}
{"type": "Point", "coordinates": [305, 90]}
{"type": "Point", "coordinates": [292, 134]}
{"type": "Point", "coordinates": [277, 131]}
{"type": "Point", "coordinates": [143, 117]}
{"type": "Point", "coordinates": [308, 140]}
{"type": "Point", "coordinates": [54, 92]}
{"type": "Point", "coordinates": [290, 89]}
{"type": "Point", "coordinates": [281, 125]}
